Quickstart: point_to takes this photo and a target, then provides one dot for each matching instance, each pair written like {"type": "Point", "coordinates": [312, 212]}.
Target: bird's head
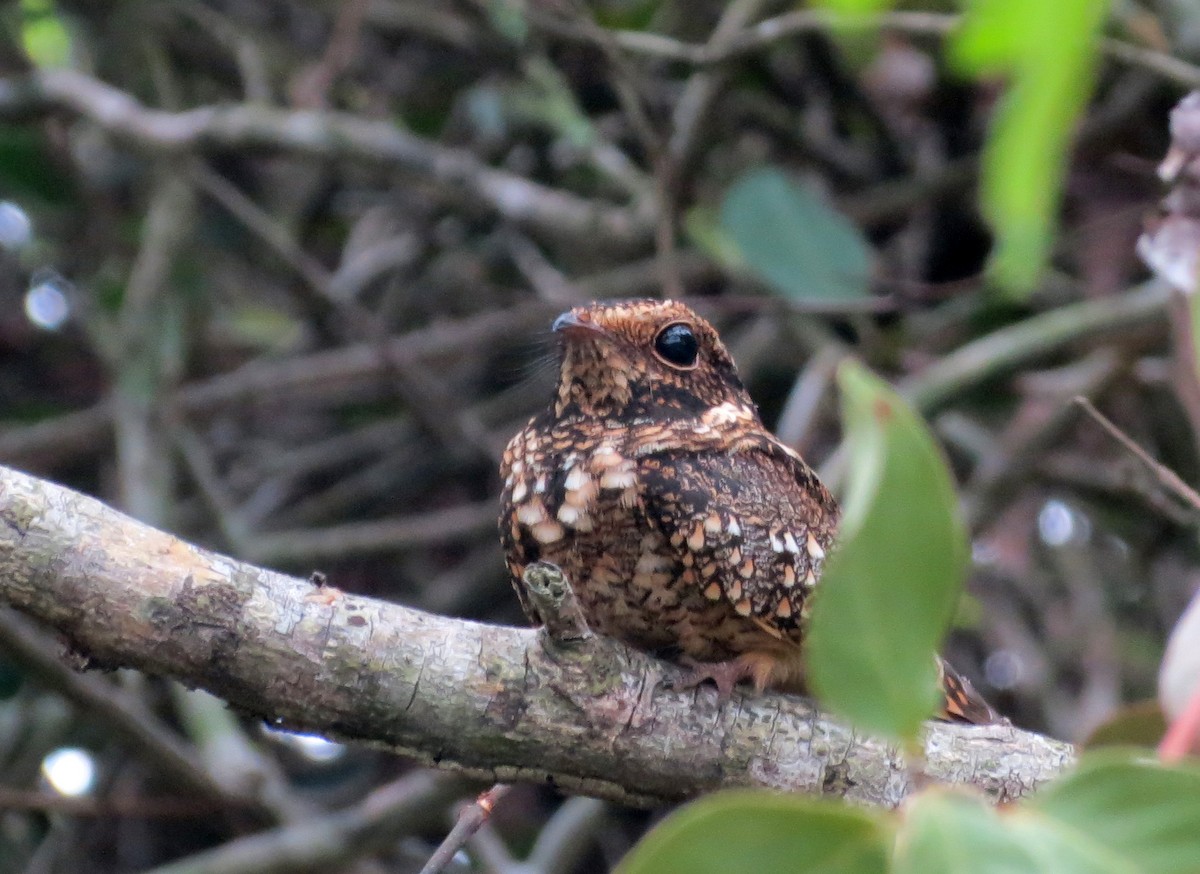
{"type": "Point", "coordinates": [644, 360]}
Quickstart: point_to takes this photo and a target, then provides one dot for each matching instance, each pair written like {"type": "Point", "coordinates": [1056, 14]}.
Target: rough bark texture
{"type": "Point", "coordinates": [504, 704]}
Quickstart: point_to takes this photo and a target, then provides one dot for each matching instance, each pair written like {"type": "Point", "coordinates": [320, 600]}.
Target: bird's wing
{"type": "Point", "coordinates": [753, 526]}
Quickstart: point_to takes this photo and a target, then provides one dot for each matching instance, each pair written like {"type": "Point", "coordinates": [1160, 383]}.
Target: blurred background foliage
{"type": "Point", "coordinates": [278, 278]}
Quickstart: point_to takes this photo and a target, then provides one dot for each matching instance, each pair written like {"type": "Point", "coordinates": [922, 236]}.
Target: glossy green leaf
{"type": "Point", "coordinates": [793, 241]}
{"type": "Point", "coordinates": [763, 833]}
{"type": "Point", "coordinates": [892, 584]}
{"type": "Point", "coordinates": [1140, 813]}
{"type": "Point", "coordinates": [1049, 51]}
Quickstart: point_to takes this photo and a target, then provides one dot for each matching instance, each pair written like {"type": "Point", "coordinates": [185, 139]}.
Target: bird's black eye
{"type": "Point", "coordinates": [677, 345]}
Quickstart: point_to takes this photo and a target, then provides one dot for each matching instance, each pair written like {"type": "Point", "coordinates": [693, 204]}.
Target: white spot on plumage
{"type": "Point", "coordinates": [789, 543]}
{"type": "Point", "coordinates": [733, 529]}
{"type": "Point", "coordinates": [531, 513]}
{"type": "Point", "coordinates": [618, 478]}
{"type": "Point", "coordinates": [519, 491]}
{"type": "Point", "coordinates": [547, 532]}
{"type": "Point", "coordinates": [606, 455]}
{"type": "Point", "coordinates": [576, 479]}
{"type": "Point", "coordinates": [814, 548]}
{"type": "Point", "coordinates": [725, 414]}
{"type": "Point", "coordinates": [569, 514]}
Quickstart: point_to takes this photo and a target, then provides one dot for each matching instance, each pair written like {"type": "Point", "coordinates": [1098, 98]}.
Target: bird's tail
{"type": "Point", "coordinates": [960, 701]}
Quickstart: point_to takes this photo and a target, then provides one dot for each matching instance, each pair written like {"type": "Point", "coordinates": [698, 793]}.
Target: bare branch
{"type": "Point", "coordinates": [470, 820]}
{"type": "Point", "coordinates": [501, 704]}
{"type": "Point", "coordinates": [324, 135]}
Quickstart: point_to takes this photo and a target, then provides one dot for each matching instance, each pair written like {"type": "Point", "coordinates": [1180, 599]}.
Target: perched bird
{"type": "Point", "coordinates": [685, 528]}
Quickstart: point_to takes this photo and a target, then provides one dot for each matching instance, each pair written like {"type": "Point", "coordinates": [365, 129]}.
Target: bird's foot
{"type": "Point", "coordinates": [753, 666]}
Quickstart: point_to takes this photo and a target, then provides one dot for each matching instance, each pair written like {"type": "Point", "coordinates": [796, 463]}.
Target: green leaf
{"type": "Point", "coordinates": [1141, 813]}
{"type": "Point", "coordinates": [1114, 814]}
{"type": "Point", "coordinates": [26, 169]}
{"type": "Point", "coordinates": [703, 229]}
{"type": "Point", "coordinates": [763, 833]}
{"type": "Point", "coordinates": [1049, 50]}
{"type": "Point", "coordinates": [261, 327]}
{"type": "Point", "coordinates": [45, 39]}
{"type": "Point", "coordinates": [799, 246]}
{"type": "Point", "coordinates": [627, 15]}
{"type": "Point", "coordinates": [1141, 724]}
{"type": "Point", "coordinates": [947, 830]}
{"type": "Point", "coordinates": [892, 584]}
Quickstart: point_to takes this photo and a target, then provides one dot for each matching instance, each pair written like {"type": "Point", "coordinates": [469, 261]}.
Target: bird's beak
{"type": "Point", "coordinates": [576, 324]}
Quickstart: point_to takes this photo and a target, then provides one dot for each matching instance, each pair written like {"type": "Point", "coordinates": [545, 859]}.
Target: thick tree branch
{"type": "Point", "coordinates": [324, 135]}
{"type": "Point", "coordinates": [502, 704]}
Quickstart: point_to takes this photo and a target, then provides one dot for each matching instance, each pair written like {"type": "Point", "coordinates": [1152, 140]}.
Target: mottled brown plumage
{"type": "Point", "coordinates": [685, 528]}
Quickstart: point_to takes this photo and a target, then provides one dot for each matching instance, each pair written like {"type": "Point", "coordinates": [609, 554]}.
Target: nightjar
{"type": "Point", "coordinates": [684, 527]}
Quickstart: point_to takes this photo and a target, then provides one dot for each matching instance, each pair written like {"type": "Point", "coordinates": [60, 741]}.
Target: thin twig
{"type": "Point", "coordinates": [258, 222]}
{"type": "Point", "coordinates": [140, 807]}
{"type": "Point", "coordinates": [450, 525]}
{"type": "Point", "coordinates": [1166, 476]}
{"type": "Point", "coordinates": [310, 88]}
{"type": "Point", "coordinates": [1006, 348]}
{"type": "Point", "coordinates": [144, 362]}
{"type": "Point", "coordinates": [470, 819]}
{"type": "Point", "coordinates": [203, 468]}
{"type": "Point", "coordinates": [1041, 420]}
